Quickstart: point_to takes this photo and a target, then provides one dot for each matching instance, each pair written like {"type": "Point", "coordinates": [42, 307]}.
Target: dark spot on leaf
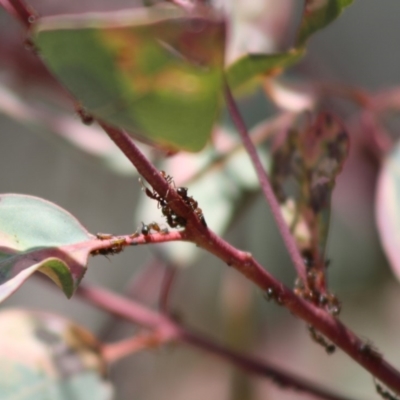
{"type": "Point", "coordinates": [320, 194]}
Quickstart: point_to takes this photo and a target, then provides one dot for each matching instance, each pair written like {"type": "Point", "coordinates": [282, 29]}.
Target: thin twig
{"type": "Point", "coordinates": [25, 14]}
{"type": "Point", "coordinates": [259, 134]}
{"type": "Point", "coordinates": [134, 312]}
{"type": "Point", "coordinates": [266, 187]}
{"type": "Point", "coordinates": [113, 352]}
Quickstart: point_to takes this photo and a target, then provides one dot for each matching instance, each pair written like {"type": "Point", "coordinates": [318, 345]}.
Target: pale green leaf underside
{"type": "Point", "coordinates": [45, 356]}
{"type": "Point", "coordinates": [38, 235]}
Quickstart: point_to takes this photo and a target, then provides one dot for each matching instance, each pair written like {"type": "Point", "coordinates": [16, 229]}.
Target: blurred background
{"type": "Point", "coordinates": [360, 50]}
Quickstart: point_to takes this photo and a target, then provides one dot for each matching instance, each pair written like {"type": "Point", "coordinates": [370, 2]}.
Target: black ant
{"type": "Point", "coordinates": [270, 294]}
{"type": "Point", "coordinates": [384, 393]}
{"type": "Point", "coordinates": [85, 117]}
{"type": "Point", "coordinates": [318, 338]}
{"type": "Point", "coordinates": [192, 203]}
{"type": "Point", "coordinates": [368, 350]}
{"type": "Point", "coordinates": [174, 220]}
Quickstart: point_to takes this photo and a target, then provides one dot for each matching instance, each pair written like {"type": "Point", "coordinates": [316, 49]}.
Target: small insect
{"type": "Point", "coordinates": [85, 117]}
{"type": "Point", "coordinates": [146, 229]}
{"type": "Point", "coordinates": [175, 221]}
{"type": "Point", "coordinates": [168, 178]}
{"type": "Point", "coordinates": [116, 247]}
{"type": "Point", "coordinates": [104, 236]}
{"type": "Point", "coordinates": [318, 338]}
{"type": "Point", "coordinates": [152, 194]}
{"type": "Point", "coordinates": [200, 215]}
{"type": "Point", "coordinates": [270, 294]}
{"type": "Point", "coordinates": [182, 191]}
{"type": "Point", "coordinates": [384, 393]}
{"type": "Point", "coordinates": [192, 203]}
{"type": "Point", "coordinates": [368, 350]}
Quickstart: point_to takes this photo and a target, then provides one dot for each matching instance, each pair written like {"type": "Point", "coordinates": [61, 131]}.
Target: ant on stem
{"type": "Point", "coordinates": [384, 393]}
{"type": "Point", "coordinates": [174, 220]}
{"type": "Point", "coordinates": [146, 229]}
{"type": "Point", "coordinates": [318, 338]}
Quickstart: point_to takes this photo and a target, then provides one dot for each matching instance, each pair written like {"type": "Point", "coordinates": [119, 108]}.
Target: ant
{"type": "Point", "coordinates": [153, 195]}
{"type": "Point", "coordinates": [385, 394]}
{"type": "Point", "coordinates": [85, 117]}
{"type": "Point", "coordinates": [146, 229]}
{"type": "Point", "coordinates": [368, 350]}
{"type": "Point", "coordinates": [116, 247]}
{"type": "Point", "coordinates": [104, 236]}
{"type": "Point", "coordinates": [192, 203]}
{"type": "Point", "coordinates": [270, 294]}
{"type": "Point", "coordinates": [318, 338]}
{"type": "Point", "coordinates": [168, 178]}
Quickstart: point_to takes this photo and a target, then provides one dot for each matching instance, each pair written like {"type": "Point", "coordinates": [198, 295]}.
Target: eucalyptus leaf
{"type": "Point", "coordinates": [36, 235]}
{"type": "Point", "coordinates": [44, 356]}
{"type": "Point", "coordinates": [316, 15]}
{"type": "Point", "coordinates": [156, 71]}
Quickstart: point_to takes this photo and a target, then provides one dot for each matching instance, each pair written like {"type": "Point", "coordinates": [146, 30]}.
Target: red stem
{"type": "Point", "coordinates": [248, 266]}
{"type": "Point", "coordinates": [266, 187]}
{"type": "Point", "coordinates": [113, 352]}
{"type": "Point", "coordinates": [25, 14]}
{"type": "Point", "coordinates": [134, 312]}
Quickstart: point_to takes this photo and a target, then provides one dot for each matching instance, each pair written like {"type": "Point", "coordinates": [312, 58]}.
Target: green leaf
{"type": "Point", "coordinates": [38, 235]}
{"type": "Point", "coordinates": [45, 356]}
{"type": "Point", "coordinates": [156, 72]}
{"type": "Point", "coordinates": [252, 65]}
{"type": "Point", "coordinates": [317, 14]}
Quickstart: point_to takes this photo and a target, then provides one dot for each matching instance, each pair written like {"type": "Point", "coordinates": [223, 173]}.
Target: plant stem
{"type": "Point", "coordinates": [134, 312]}
{"type": "Point", "coordinates": [113, 352]}
{"type": "Point", "coordinates": [266, 187]}
{"type": "Point", "coordinates": [25, 14]}
{"type": "Point", "coordinates": [329, 326]}
{"type": "Point", "coordinates": [154, 178]}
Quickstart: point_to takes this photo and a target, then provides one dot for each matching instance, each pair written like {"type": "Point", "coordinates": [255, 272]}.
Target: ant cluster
{"type": "Point", "coordinates": [311, 291]}
{"type": "Point", "coordinates": [173, 220]}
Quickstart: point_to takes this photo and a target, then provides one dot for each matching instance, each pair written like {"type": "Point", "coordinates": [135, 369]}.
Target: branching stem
{"type": "Point", "coordinates": [266, 186]}
{"type": "Point", "coordinates": [165, 329]}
